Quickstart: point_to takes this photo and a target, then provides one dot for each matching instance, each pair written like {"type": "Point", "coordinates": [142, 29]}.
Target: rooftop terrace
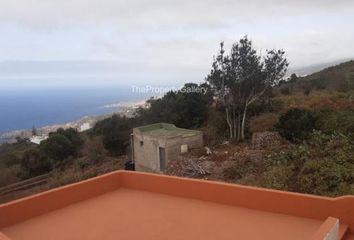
{"type": "Point", "coordinates": [131, 205]}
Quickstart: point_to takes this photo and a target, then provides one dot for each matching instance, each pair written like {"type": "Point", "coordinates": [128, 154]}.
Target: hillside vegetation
{"type": "Point", "coordinates": [314, 115]}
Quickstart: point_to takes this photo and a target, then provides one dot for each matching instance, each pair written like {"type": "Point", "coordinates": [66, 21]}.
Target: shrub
{"type": "Point", "coordinates": [116, 133]}
{"type": "Point", "coordinates": [61, 144]}
{"type": "Point", "coordinates": [275, 105]}
{"type": "Point", "coordinates": [73, 135]}
{"type": "Point", "coordinates": [9, 159]}
{"type": "Point", "coordinates": [57, 147]}
{"type": "Point", "coordinates": [285, 90]}
{"type": "Point", "coordinates": [10, 175]}
{"type": "Point", "coordinates": [324, 166]}
{"type": "Point", "coordinates": [96, 151]}
{"type": "Point", "coordinates": [216, 128]}
{"type": "Point", "coordinates": [330, 121]}
{"type": "Point", "coordinates": [277, 177]}
{"type": "Point", "coordinates": [34, 164]}
{"type": "Point", "coordinates": [243, 167]}
{"type": "Point", "coordinates": [296, 124]}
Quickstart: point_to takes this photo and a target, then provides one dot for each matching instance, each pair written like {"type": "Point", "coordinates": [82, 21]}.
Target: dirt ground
{"type": "Point", "coordinates": [210, 163]}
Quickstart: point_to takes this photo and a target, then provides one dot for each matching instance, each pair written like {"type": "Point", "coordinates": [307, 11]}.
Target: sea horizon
{"type": "Point", "coordinates": [25, 108]}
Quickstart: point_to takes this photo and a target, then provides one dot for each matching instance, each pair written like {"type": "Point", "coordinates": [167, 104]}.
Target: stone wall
{"type": "Point", "coordinates": [265, 139]}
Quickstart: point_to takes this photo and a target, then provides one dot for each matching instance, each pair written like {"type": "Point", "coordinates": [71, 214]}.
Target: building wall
{"type": "Point", "coordinates": [173, 149]}
{"type": "Point", "coordinates": [195, 141]}
{"type": "Point", "coordinates": [146, 156]}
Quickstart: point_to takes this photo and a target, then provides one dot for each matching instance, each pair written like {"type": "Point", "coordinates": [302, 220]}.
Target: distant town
{"type": "Point", "coordinates": [37, 135]}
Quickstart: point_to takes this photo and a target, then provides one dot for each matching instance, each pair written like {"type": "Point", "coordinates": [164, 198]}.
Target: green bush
{"type": "Point", "coordinates": [73, 135]}
{"type": "Point", "coordinates": [323, 166]}
{"type": "Point", "coordinates": [277, 177]}
{"type": "Point", "coordinates": [116, 133]}
{"type": "Point", "coordinates": [216, 129]}
{"type": "Point", "coordinates": [330, 121]}
{"type": "Point", "coordinates": [57, 147]}
{"type": "Point", "coordinates": [296, 124]}
{"type": "Point", "coordinates": [61, 144]}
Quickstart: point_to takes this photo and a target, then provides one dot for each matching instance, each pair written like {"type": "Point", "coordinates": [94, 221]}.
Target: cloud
{"type": "Point", "coordinates": [172, 37]}
{"type": "Point", "coordinates": [159, 13]}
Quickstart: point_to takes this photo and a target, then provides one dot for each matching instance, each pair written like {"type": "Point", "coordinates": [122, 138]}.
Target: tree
{"type": "Point", "coordinates": [57, 147]}
{"type": "Point", "coordinates": [293, 78]}
{"type": "Point", "coordinates": [242, 78]}
{"type": "Point", "coordinates": [73, 135]}
{"type": "Point", "coordinates": [34, 131]}
{"type": "Point", "coordinates": [116, 133]}
{"type": "Point", "coordinates": [187, 107]}
{"type": "Point", "coordinates": [61, 144]}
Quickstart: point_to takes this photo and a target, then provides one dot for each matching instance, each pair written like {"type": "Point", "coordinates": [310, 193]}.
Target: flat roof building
{"type": "Point", "coordinates": [153, 146]}
{"type": "Point", "coordinates": [85, 126]}
{"type": "Point", "coordinates": [37, 139]}
{"type": "Point", "coordinates": [134, 205]}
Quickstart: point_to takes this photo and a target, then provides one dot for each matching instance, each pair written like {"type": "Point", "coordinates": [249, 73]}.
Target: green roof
{"type": "Point", "coordinates": [166, 129]}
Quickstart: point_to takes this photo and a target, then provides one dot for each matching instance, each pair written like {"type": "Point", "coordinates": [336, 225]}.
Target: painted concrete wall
{"type": "Point", "coordinates": [329, 230]}
{"type": "Point", "coordinates": [301, 205]}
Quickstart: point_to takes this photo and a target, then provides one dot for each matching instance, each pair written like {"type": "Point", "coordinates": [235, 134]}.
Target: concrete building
{"type": "Point", "coordinates": [135, 206]}
{"type": "Point", "coordinates": [153, 146]}
{"type": "Point", "coordinates": [37, 139]}
{"type": "Point", "coordinates": [84, 127]}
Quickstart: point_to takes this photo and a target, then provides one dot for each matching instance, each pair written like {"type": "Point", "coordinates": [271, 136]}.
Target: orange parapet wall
{"type": "Point", "coordinates": [318, 214]}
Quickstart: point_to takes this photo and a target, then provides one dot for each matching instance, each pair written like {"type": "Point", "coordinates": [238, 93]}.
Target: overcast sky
{"type": "Point", "coordinates": [155, 41]}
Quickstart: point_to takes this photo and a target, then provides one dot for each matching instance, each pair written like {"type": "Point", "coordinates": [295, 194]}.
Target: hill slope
{"type": "Point", "coordinates": [304, 71]}
{"type": "Point", "coordinates": [331, 88]}
{"type": "Point", "coordinates": [336, 78]}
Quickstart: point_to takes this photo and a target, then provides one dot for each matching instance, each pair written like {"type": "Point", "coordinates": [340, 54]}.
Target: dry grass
{"type": "Point", "coordinates": [319, 100]}
{"type": "Point", "coordinates": [80, 171]}
{"type": "Point", "coordinates": [10, 175]}
{"type": "Point", "coordinates": [263, 122]}
{"type": "Point", "coordinates": [70, 174]}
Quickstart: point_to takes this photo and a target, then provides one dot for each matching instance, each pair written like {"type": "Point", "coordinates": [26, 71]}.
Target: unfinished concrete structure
{"type": "Point", "coordinates": [153, 146]}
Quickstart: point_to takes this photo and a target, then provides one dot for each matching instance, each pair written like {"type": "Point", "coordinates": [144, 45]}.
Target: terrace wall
{"type": "Point", "coordinates": [300, 205]}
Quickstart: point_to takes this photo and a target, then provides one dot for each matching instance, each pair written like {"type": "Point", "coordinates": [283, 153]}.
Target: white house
{"type": "Point", "coordinates": [38, 139]}
{"type": "Point", "coordinates": [84, 127]}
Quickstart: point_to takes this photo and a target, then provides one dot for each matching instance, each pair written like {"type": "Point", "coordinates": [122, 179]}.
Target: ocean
{"type": "Point", "coordinates": [26, 107]}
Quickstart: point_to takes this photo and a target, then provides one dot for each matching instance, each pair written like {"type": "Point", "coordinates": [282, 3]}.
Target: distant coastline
{"type": "Point", "coordinates": [123, 108]}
